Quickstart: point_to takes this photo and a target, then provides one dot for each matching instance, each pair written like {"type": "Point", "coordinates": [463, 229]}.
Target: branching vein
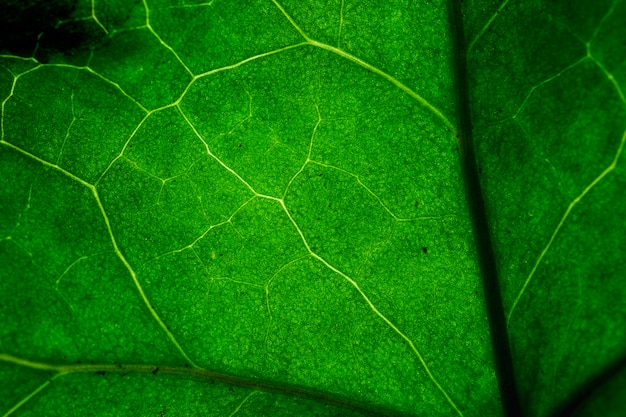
{"type": "Point", "coordinates": [569, 209]}
{"type": "Point", "coordinates": [369, 67]}
{"type": "Point", "coordinates": [241, 404]}
{"type": "Point", "coordinates": [162, 42]}
{"type": "Point", "coordinates": [373, 308]}
{"type": "Point", "coordinates": [26, 399]}
{"type": "Point", "coordinates": [119, 254]}
{"type": "Point", "coordinates": [600, 177]}
{"type": "Point", "coordinates": [487, 26]}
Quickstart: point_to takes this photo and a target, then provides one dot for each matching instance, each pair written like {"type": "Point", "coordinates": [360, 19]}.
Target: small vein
{"type": "Point", "coordinates": [128, 29]}
{"type": "Point", "coordinates": [11, 92]}
{"type": "Point", "coordinates": [133, 275]}
{"type": "Point", "coordinates": [26, 399]}
{"type": "Point", "coordinates": [19, 58]}
{"type": "Point", "coordinates": [293, 23]}
{"type": "Point", "coordinates": [367, 66]}
{"type": "Point", "coordinates": [242, 403]}
{"type": "Point", "coordinates": [69, 128]}
{"type": "Point", "coordinates": [389, 78]}
{"type": "Point", "coordinates": [121, 153]}
{"type": "Point", "coordinates": [37, 45]}
{"type": "Point", "coordinates": [273, 277]}
{"type": "Point", "coordinates": [542, 83]}
{"type": "Point", "coordinates": [162, 42]}
{"type": "Point", "coordinates": [610, 76]}
{"type": "Point", "coordinates": [70, 266]}
{"type": "Point", "coordinates": [340, 24]}
{"type": "Point", "coordinates": [604, 18]}
{"type": "Point", "coordinates": [308, 157]}
{"type": "Point", "coordinates": [373, 194]}
{"type": "Point", "coordinates": [78, 19]}
{"type": "Point", "coordinates": [119, 254]}
{"type": "Point", "coordinates": [191, 6]}
{"type": "Point", "coordinates": [487, 25]}
{"type": "Point", "coordinates": [373, 308]}
{"type": "Point", "coordinates": [252, 58]}
{"type": "Point", "coordinates": [136, 166]}
{"type": "Point", "coordinates": [593, 183]}
{"type": "Point", "coordinates": [102, 77]}
{"type": "Point", "coordinates": [46, 163]}
{"type": "Point", "coordinates": [212, 155]}
{"type": "Point", "coordinates": [95, 18]}
{"type": "Point", "coordinates": [569, 209]}
{"type": "Point", "coordinates": [22, 214]}
{"type": "Point", "coordinates": [202, 236]}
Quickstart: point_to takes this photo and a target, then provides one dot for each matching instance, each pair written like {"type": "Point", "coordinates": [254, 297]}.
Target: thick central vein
{"type": "Point", "coordinates": [477, 209]}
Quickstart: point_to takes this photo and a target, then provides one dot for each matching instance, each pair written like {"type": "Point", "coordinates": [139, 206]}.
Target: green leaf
{"type": "Point", "coordinates": [304, 208]}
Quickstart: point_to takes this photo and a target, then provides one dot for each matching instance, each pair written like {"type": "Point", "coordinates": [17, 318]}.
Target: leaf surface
{"type": "Point", "coordinates": [262, 208]}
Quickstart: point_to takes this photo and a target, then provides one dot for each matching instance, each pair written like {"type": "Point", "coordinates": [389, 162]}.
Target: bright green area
{"type": "Point", "coordinates": [274, 192]}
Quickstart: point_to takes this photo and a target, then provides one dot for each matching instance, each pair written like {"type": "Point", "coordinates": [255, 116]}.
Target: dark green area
{"type": "Point", "coordinates": [308, 208]}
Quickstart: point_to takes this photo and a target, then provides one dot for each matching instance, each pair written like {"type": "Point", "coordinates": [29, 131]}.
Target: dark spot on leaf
{"type": "Point", "coordinates": [424, 249]}
{"type": "Point", "coordinates": [103, 373]}
{"type": "Point", "coordinates": [154, 372]}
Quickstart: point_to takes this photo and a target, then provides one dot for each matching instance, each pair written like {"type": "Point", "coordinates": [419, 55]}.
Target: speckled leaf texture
{"type": "Point", "coordinates": [313, 207]}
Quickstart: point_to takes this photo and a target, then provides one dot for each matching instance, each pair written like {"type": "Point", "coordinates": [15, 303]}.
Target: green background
{"type": "Point", "coordinates": [268, 201]}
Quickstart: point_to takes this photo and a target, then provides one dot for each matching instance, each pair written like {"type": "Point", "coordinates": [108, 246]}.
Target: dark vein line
{"type": "Point", "coordinates": [578, 398]}
{"type": "Point", "coordinates": [491, 286]}
{"type": "Point", "coordinates": [209, 376]}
